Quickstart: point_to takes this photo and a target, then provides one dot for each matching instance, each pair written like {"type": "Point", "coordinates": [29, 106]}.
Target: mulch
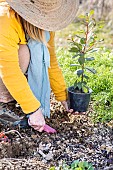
{"type": "Point", "coordinates": [77, 137]}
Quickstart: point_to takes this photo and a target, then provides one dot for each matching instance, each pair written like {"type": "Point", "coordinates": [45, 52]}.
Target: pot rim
{"type": "Point", "coordinates": [90, 91]}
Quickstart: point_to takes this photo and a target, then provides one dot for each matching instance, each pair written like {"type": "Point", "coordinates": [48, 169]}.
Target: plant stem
{"type": "Point", "coordinates": [91, 46]}
{"type": "Point", "coordinates": [82, 78]}
{"type": "Point", "coordinates": [87, 31]}
{"type": "Point", "coordinates": [84, 50]}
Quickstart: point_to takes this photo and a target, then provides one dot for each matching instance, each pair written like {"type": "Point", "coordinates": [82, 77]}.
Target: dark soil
{"type": "Point", "coordinates": [76, 138]}
{"type": "Point", "coordinates": [76, 90]}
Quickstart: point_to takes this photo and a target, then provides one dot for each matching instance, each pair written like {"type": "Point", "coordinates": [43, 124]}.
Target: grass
{"type": "Point", "coordinates": [102, 81]}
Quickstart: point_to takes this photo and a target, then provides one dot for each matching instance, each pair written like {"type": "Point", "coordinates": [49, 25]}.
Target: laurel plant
{"type": "Point", "coordinates": [83, 47]}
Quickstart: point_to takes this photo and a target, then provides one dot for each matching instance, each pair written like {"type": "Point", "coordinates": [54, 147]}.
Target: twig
{"type": "Point", "coordinates": [11, 131]}
{"type": "Point", "coordinates": [13, 159]}
{"type": "Point", "coordinates": [58, 157]}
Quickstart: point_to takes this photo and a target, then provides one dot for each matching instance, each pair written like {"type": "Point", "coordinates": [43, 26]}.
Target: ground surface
{"type": "Point", "coordinates": [76, 138]}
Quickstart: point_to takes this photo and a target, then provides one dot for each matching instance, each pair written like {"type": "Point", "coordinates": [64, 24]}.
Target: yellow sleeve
{"type": "Point", "coordinates": [55, 74]}
{"type": "Point", "coordinates": [11, 35]}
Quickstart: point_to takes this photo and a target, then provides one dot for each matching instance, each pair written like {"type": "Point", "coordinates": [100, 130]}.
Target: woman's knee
{"type": "Point", "coordinates": [24, 57]}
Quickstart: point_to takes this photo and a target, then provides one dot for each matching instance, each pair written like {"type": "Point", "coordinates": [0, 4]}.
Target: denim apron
{"type": "Point", "coordinates": [38, 77]}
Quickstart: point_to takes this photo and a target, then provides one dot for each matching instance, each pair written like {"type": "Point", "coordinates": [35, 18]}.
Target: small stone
{"type": "Point", "coordinates": [41, 147]}
{"type": "Point", "coordinates": [34, 136]}
{"type": "Point", "coordinates": [42, 154]}
{"type": "Point", "coordinates": [109, 148]}
{"type": "Point", "coordinates": [58, 142]}
{"type": "Point", "coordinates": [102, 147]}
{"type": "Point", "coordinates": [49, 145]}
{"type": "Point", "coordinates": [49, 156]}
{"type": "Point", "coordinates": [90, 151]}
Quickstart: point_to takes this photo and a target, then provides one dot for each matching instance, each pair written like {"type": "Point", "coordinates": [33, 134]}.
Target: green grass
{"type": "Point", "coordinates": [102, 82]}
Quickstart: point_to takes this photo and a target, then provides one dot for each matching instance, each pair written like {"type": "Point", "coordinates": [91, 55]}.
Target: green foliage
{"type": "Point", "coordinates": [76, 165]}
{"type": "Point", "coordinates": [52, 168]}
{"type": "Point", "coordinates": [82, 48]}
{"type": "Point", "coordinates": [101, 82]}
{"type": "Point", "coordinates": [81, 165]}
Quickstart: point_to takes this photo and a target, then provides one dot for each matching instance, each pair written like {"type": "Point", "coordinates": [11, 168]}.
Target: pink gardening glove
{"type": "Point", "coordinates": [49, 129]}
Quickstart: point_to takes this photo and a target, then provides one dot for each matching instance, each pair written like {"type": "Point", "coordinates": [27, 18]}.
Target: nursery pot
{"type": "Point", "coordinates": [79, 101]}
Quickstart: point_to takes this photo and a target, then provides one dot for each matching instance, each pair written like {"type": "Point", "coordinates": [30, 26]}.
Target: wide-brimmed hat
{"type": "Point", "coordinates": [49, 15]}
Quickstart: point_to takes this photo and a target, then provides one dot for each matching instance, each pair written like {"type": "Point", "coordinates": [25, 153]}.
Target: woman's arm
{"type": "Point", "coordinates": [55, 74]}
{"type": "Point", "coordinates": [56, 77]}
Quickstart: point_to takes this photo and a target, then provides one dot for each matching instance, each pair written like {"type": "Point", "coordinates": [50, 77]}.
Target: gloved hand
{"type": "Point", "coordinates": [24, 124]}
{"type": "Point", "coordinates": [49, 129]}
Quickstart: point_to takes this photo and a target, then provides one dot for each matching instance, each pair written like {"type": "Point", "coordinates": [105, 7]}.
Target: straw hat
{"type": "Point", "coordinates": [49, 15]}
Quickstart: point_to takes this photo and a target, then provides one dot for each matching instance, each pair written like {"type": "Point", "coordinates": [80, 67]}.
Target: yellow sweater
{"type": "Point", "coordinates": [11, 35]}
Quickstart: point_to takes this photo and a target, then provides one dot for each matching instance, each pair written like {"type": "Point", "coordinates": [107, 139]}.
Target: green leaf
{"type": "Point", "coordinates": [82, 16]}
{"type": "Point", "coordinates": [85, 89]}
{"type": "Point", "coordinates": [79, 85]}
{"type": "Point", "coordinates": [92, 70]}
{"type": "Point", "coordinates": [86, 77]}
{"type": "Point", "coordinates": [77, 36]}
{"type": "Point", "coordinates": [101, 40]}
{"type": "Point", "coordinates": [78, 169]}
{"type": "Point", "coordinates": [84, 82]}
{"type": "Point", "coordinates": [65, 166]}
{"type": "Point", "coordinates": [91, 168]}
{"type": "Point", "coordinates": [52, 168]}
{"type": "Point", "coordinates": [75, 163]}
{"type": "Point", "coordinates": [79, 54]}
{"type": "Point", "coordinates": [90, 59]}
{"type": "Point", "coordinates": [82, 40]}
{"type": "Point", "coordinates": [91, 44]}
{"type": "Point", "coordinates": [78, 45]}
{"type": "Point", "coordinates": [86, 165]}
{"type": "Point", "coordinates": [80, 72]}
{"type": "Point", "coordinates": [91, 24]}
{"type": "Point", "coordinates": [81, 60]}
{"type": "Point", "coordinates": [81, 164]}
{"type": "Point", "coordinates": [75, 86]}
{"type": "Point", "coordinates": [81, 31]}
{"type": "Point", "coordinates": [93, 50]}
{"type": "Point", "coordinates": [91, 13]}
{"type": "Point", "coordinates": [74, 49]}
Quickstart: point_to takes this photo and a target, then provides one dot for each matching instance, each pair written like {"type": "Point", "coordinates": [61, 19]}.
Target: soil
{"type": "Point", "coordinates": [76, 90]}
{"type": "Point", "coordinates": [76, 138]}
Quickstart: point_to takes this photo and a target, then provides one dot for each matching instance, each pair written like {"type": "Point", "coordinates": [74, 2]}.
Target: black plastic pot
{"type": "Point", "coordinates": [78, 101]}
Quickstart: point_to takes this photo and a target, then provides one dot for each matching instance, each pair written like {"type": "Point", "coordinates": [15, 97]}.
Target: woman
{"type": "Point", "coordinates": [31, 17]}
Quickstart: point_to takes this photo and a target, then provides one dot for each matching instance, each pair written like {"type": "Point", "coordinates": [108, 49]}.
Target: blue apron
{"type": "Point", "coordinates": [38, 78]}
